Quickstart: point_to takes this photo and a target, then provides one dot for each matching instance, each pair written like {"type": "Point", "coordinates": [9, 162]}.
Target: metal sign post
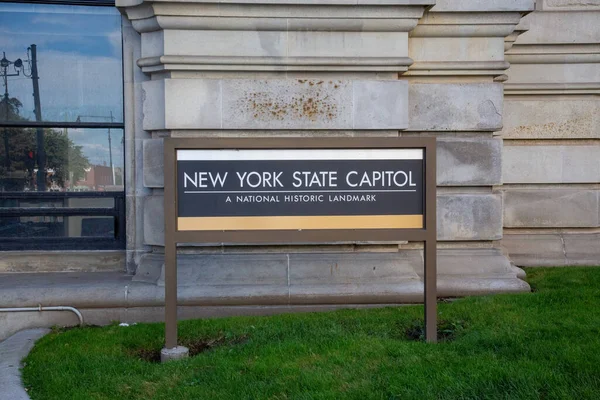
{"type": "Point", "coordinates": [291, 190]}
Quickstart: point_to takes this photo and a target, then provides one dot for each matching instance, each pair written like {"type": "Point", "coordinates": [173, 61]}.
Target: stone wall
{"type": "Point", "coordinates": [373, 68]}
{"type": "Point", "coordinates": [551, 133]}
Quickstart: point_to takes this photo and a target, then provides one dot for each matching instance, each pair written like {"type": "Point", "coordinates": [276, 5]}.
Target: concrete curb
{"type": "Point", "coordinates": [12, 351]}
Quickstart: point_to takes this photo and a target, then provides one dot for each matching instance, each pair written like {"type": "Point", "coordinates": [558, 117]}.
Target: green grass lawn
{"type": "Point", "coordinates": [544, 344]}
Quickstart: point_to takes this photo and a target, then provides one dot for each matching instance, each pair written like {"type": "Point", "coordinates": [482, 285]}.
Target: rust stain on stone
{"type": "Point", "coordinates": [313, 102]}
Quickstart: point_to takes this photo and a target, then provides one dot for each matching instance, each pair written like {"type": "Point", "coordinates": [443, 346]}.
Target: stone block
{"type": "Point", "coordinates": [153, 163]}
{"type": "Point", "coordinates": [483, 5]}
{"type": "Point", "coordinates": [568, 5]}
{"type": "Point", "coordinates": [278, 45]}
{"type": "Point", "coordinates": [567, 74]}
{"type": "Point", "coordinates": [153, 105]}
{"type": "Point", "coordinates": [324, 44]}
{"type": "Point", "coordinates": [275, 104]}
{"type": "Point", "coordinates": [469, 162]}
{"type": "Point", "coordinates": [534, 250]}
{"type": "Point", "coordinates": [231, 269]}
{"type": "Point", "coordinates": [476, 272]}
{"type": "Point", "coordinates": [551, 164]}
{"type": "Point", "coordinates": [314, 104]}
{"type": "Point", "coordinates": [287, 104]}
{"type": "Point", "coordinates": [551, 208]}
{"type": "Point", "coordinates": [561, 28]}
{"type": "Point", "coordinates": [469, 217]}
{"type": "Point", "coordinates": [456, 49]}
{"type": "Point", "coordinates": [455, 106]}
{"type": "Point", "coordinates": [238, 43]}
{"type": "Point", "coordinates": [582, 248]}
{"type": "Point", "coordinates": [378, 105]}
{"type": "Point", "coordinates": [182, 104]}
{"type": "Point", "coordinates": [353, 268]}
{"type": "Point", "coordinates": [551, 119]}
{"type": "Point", "coordinates": [154, 220]}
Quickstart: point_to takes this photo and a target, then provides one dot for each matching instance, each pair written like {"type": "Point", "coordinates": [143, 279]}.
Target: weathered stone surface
{"type": "Point", "coordinates": [353, 268]}
{"type": "Point", "coordinates": [534, 250]}
{"type": "Point", "coordinates": [231, 269]}
{"type": "Point", "coordinates": [573, 27]}
{"type": "Point", "coordinates": [182, 104]}
{"type": "Point", "coordinates": [379, 105]}
{"type": "Point", "coordinates": [567, 5]}
{"type": "Point", "coordinates": [582, 248]}
{"type": "Point", "coordinates": [553, 249]}
{"type": "Point", "coordinates": [476, 271]}
{"type": "Point", "coordinates": [483, 5]}
{"type": "Point", "coordinates": [551, 208]}
{"type": "Point", "coordinates": [275, 104]}
{"type": "Point", "coordinates": [154, 220]}
{"type": "Point", "coordinates": [469, 161]}
{"type": "Point", "coordinates": [456, 49]}
{"type": "Point", "coordinates": [551, 164]}
{"type": "Point", "coordinates": [153, 163]}
{"type": "Point", "coordinates": [287, 104]}
{"type": "Point", "coordinates": [583, 74]}
{"type": "Point", "coordinates": [469, 217]}
{"type": "Point", "coordinates": [62, 261]}
{"type": "Point", "coordinates": [455, 106]}
{"type": "Point", "coordinates": [551, 119]}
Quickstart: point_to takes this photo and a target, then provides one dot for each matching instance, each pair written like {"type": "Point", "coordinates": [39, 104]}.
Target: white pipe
{"type": "Point", "coordinates": [40, 308]}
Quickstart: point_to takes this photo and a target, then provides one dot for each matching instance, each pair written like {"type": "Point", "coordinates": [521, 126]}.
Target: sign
{"type": "Point", "coordinates": [299, 190]}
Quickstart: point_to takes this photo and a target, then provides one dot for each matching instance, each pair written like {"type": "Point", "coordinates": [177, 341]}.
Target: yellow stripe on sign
{"type": "Point", "coordinates": [299, 222]}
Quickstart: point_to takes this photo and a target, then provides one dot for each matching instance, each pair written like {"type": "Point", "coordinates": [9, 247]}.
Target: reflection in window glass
{"type": "Point", "coordinates": [76, 160]}
{"type": "Point", "coordinates": [78, 59]}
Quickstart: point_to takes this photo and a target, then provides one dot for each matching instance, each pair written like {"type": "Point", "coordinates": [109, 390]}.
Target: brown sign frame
{"type": "Point", "coordinates": [427, 235]}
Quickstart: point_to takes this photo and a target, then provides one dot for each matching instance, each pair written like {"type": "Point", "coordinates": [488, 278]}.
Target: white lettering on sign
{"type": "Point", "coordinates": [315, 179]}
{"type": "Point", "coordinates": [263, 179]}
{"type": "Point", "coordinates": [379, 179]}
{"type": "Point", "coordinates": [200, 179]}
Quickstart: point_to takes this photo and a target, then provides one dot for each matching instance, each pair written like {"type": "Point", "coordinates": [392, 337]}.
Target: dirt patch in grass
{"type": "Point", "coordinates": [447, 331]}
{"type": "Point", "coordinates": [195, 346]}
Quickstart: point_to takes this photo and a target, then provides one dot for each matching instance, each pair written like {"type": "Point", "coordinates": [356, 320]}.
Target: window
{"type": "Point", "coordinates": [61, 127]}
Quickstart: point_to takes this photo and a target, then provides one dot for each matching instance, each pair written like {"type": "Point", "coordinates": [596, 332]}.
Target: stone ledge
{"type": "Point", "coordinates": [336, 278]}
{"type": "Point", "coordinates": [549, 250]}
{"type": "Point", "coordinates": [331, 35]}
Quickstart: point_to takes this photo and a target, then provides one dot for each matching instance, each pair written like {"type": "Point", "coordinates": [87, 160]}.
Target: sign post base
{"type": "Point", "coordinates": [176, 353]}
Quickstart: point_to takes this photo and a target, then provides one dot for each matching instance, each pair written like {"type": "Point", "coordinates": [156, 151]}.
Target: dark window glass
{"type": "Point", "coordinates": [78, 55]}
{"type": "Point", "coordinates": [61, 127]}
{"type": "Point", "coordinates": [56, 226]}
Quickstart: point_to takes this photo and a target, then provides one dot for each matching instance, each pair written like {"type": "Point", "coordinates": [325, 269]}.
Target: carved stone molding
{"type": "Point", "coordinates": [275, 35]}
{"type": "Point", "coordinates": [559, 55]}
{"type": "Point", "coordinates": [465, 38]}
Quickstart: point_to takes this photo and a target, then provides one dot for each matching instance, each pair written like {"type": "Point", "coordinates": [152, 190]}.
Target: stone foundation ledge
{"type": "Point", "coordinates": [552, 249]}
{"type": "Point", "coordinates": [270, 280]}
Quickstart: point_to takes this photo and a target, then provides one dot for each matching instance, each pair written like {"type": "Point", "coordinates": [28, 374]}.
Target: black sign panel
{"type": "Point", "coordinates": [305, 187]}
{"type": "Point", "coordinates": [229, 188]}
